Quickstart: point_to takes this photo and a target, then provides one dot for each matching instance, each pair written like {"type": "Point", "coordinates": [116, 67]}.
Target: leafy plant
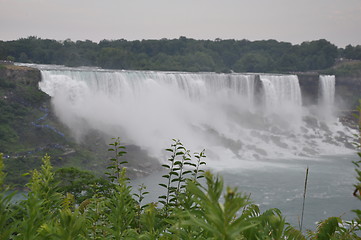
{"type": "Point", "coordinates": [121, 209]}
{"type": "Point", "coordinates": [42, 202]}
{"type": "Point", "coordinates": [140, 197]}
{"type": "Point", "coordinates": [116, 161]}
{"type": "Point", "coordinates": [174, 167]}
{"type": "Point", "coordinates": [197, 172]}
{"type": "Point", "coordinates": [69, 224]}
{"type": "Point", "coordinates": [82, 184]}
{"type": "Point", "coordinates": [217, 220]}
{"type": "Point", "coordinates": [6, 213]}
{"type": "Point", "coordinates": [191, 209]}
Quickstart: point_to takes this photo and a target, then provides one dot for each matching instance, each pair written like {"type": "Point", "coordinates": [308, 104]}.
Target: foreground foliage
{"type": "Point", "coordinates": [195, 205]}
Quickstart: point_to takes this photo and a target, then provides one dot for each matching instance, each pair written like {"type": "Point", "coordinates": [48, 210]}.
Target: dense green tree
{"type": "Point", "coordinates": [253, 62]}
{"type": "Point", "coordinates": [315, 55]}
{"type": "Point", "coordinates": [351, 52]}
{"type": "Point", "coordinates": [114, 58]}
{"type": "Point", "coordinates": [182, 54]}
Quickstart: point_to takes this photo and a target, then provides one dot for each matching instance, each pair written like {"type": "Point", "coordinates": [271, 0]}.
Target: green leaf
{"type": "Point", "coordinates": [166, 166]}
{"type": "Point", "coordinates": [327, 228]}
{"type": "Point", "coordinates": [190, 164]}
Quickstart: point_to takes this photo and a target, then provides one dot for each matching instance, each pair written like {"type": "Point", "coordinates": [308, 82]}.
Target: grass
{"type": "Point", "coordinates": [347, 69]}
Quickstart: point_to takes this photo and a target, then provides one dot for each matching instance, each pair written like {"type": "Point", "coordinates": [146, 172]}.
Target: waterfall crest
{"type": "Point", "coordinates": [280, 90]}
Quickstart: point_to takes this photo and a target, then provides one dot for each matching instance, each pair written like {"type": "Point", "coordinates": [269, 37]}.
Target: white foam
{"type": "Point", "coordinates": [217, 112]}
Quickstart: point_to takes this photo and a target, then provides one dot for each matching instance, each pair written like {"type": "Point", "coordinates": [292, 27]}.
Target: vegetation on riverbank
{"type": "Point", "coordinates": [189, 209]}
{"type": "Point", "coordinates": [345, 69]}
{"type": "Point", "coordinates": [29, 130]}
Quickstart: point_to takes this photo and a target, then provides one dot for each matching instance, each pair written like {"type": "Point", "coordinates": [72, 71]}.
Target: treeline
{"type": "Point", "coordinates": [183, 54]}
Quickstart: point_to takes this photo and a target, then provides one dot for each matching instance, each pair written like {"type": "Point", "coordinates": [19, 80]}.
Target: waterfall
{"type": "Point", "coordinates": [281, 91]}
{"type": "Point", "coordinates": [218, 112]}
{"type": "Point", "coordinates": [327, 94]}
{"type": "Point", "coordinates": [120, 83]}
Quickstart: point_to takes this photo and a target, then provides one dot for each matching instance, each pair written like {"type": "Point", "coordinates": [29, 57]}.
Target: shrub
{"type": "Point", "coordinates": [190, 209]}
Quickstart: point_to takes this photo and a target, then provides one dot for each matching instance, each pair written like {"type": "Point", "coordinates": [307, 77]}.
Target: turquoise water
{"type": "Point", "coordinates": [329, 188]}
{"type": "Point", "coordinates": [281, 183]}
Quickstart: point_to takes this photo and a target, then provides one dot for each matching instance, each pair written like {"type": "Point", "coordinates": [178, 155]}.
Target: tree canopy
{"type": "Point", "coordinates": [182, 54]}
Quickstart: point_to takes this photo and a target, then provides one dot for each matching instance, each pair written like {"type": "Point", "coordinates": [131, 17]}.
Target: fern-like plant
{"type": "Point", "coordinates": [173, 166]}
{"type": "Point", "coordinates": [7, 226]}
{"type": "Point", "coordinates": [42, 202]}
{"type": "Point", "coordinates": [116, 161]}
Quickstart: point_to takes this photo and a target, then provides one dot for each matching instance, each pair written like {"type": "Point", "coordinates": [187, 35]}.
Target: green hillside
{"type": "Point", "coordinates": [28, 128]}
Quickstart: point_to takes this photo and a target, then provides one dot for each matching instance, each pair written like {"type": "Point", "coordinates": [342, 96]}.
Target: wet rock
{"type": "Point", "coordinates": [324, 127]}
{"type": "Point", "coordinates": [311, 122]}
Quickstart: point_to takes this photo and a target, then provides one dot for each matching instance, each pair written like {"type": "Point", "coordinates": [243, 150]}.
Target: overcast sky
{"type": "Point", "coordinates": [295, 21]}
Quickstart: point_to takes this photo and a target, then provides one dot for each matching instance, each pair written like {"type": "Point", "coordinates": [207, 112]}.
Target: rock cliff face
{"type": "Point", "coordinates": [24, 113]}
{"type": "Point", "coordinates": [22, 75]}
{"type": "Point", "coordinates": [309, 87]}
{"type": "Point", "coordinates": [347, 91]}
{"type": "Point", "coordinates": [19, 86]}
{"type": "Point", "coordinates": [29, 130]}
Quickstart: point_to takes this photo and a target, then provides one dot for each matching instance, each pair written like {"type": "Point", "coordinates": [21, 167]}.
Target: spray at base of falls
{"type": "Point", "coordinates": [237, 118]}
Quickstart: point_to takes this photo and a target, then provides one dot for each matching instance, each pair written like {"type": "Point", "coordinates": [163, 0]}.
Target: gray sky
{"type": "Point", "coordinates": [295, 21]}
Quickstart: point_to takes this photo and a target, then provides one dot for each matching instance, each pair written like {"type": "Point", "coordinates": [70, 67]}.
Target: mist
{"type": "Point", "coordinates": [239, 119]}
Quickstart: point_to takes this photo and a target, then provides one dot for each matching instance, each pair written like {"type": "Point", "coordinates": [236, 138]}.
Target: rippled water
{"type": "Point", "coordinates": [280, 185]}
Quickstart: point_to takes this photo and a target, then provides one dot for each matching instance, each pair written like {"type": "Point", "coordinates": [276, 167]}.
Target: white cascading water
{"type": "Point", "coordinates": [326, 94]}
{"type": "Point", "coordinates": [281, 91]}
{"type": "Point", "coordinates": [217, 112]}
